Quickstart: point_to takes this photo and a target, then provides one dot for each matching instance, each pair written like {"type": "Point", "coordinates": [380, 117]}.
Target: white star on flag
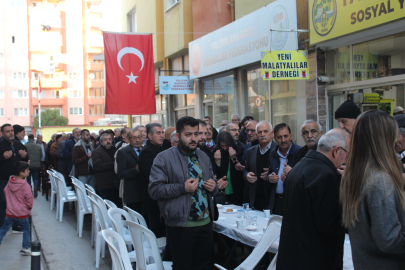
{"type": "Point", "coordinates": [131, 78]}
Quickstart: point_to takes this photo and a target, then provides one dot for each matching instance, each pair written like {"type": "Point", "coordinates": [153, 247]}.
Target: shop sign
{"type": "Point", "coordinates": [285, 65]}
{"type": "Point", "coordinates": [240, 42]}
{"type": "Point", "coordinates": [222, 86]}
{"type": "Point", "coordinates": [365, 66]}
{"type": "Point", "coordinates": [371, 98]}
{"type": "Point", "coordinates": [335, 18]}
{"type": "Point", "coordinates": [175, 85]}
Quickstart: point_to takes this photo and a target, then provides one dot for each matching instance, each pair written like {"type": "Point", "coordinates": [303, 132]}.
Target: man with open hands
{"type": "Point", "coordinates": [182, 181]}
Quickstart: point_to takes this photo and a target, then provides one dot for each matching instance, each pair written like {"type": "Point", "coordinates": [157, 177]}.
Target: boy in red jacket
{"type": "Point", "coordinates": [19, 204]}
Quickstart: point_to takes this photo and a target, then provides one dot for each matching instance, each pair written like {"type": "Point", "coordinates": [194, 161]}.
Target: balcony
{"type": "Point", "coordinates": [95, 100]}
{"type": "Point", "coordinates": [49, 102]}
{"type": "Point", "coordinates": [47, 84]}
{"type": "Point", "coordinates": [95, 83]}
{"type": "Point", "coordinates": [95, 66]}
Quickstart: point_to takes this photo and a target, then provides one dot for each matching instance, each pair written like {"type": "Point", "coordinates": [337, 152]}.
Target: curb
{"type": "Point", "coordinates": [44, 264]}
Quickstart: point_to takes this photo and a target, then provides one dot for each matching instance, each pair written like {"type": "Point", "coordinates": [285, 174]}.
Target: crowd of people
{"type": "Point", "coordinates": [348, 179]}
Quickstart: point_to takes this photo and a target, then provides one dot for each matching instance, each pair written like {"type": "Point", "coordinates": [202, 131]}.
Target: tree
{"type": "Point", "coordinates": [51, 117]}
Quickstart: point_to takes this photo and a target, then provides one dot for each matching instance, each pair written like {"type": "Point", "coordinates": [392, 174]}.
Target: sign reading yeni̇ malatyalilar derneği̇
{"type": "Point", "coordinates": [285, 65]}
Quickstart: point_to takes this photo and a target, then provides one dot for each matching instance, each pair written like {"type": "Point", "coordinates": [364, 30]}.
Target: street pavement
{"type": "Point", "coordinates": [62, 247]}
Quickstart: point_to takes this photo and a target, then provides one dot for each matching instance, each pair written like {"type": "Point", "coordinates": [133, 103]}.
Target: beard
{"type": "Point", "coordinates": [201, 143]}
{"type": "Point", "coordinates": [108, 146]}
{"type": "Point", "coordinates": [186, 147]}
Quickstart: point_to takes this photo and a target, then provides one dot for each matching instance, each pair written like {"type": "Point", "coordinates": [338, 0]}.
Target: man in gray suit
{"type": "Point", "coordinates": [257, 166]}
{"type": "Point", "coordinates": [128, 169]}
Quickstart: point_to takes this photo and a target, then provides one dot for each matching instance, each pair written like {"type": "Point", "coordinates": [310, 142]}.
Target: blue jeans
{"type": "Point", "coordinates": [89, 180]}
{"type": "Point", "coordinates": [34, 174]}
{"type": "Point", "coordinates": [24, 225]}
{"type": "Point", "coordinates": [3, 202]}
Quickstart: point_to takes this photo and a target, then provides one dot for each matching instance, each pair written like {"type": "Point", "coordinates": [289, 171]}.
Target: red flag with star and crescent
{"type": "Point", "coordinates": [130, 76]}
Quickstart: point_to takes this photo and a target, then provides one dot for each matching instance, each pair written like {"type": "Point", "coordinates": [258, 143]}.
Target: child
{"type": "Point", "coordinates": [19, 204]}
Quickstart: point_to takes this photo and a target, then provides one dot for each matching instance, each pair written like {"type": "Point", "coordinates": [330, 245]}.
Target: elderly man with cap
{"type": "Point", "coordinates": [346, 114]}
{"type": "Point", "coordinates": [398, 110]}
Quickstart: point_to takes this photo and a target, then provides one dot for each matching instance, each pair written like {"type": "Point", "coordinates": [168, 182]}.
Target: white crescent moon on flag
{"type": "Point", "coordinates": [131, 50]}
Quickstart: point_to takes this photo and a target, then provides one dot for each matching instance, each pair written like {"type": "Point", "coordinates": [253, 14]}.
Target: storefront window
{"type": "Point", "coordinates": [379, 58]}
{"type": "Point", "coordinates": [258, 95]}
{"type": "Point", "coordinates": [158, 103]}
{"type": "Point", "coordinates": [163, 102]}
{"type": "Point", "coordinates": [289, 105]}
{"type": "Point", "coordinates": [186, 112]}
{"type": "Point", "coordinates": [145, 119]}
{"type": "Point", "coordinates": [338, 65]}
{"type": "Point", "coordinates": [155, 118]}
{"type": "Point", "coordinates": [207, 89]}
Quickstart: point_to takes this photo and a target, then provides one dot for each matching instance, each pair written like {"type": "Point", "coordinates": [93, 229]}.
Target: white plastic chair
{"type": "Point", "coordinates": [89, 187]}
{"type": "Point", "coordinates": [272, 265]}
{"type": "Point", "coordinates": [63, 197]}
{"type": "Point", "coordinates": [138, 218]}
{"type": "Point", "coordinates": [110, 204]}
{"type": "Point", "coordinates": [81, 185]}
{"type": "Point", "coordinates": [83, 208]}
{"type": "Point", "coordinates": [137, 232]}
{"type": "Point", "coordinates": [95, 227]}
{"type": "Point", "coordinates": [61, 177]}
{"type": "Point", "coordinates": [53, 188]}
{"type": "Point", "coordinates": [119, 256]}
{"type": "Point", "coordinates": [100, 245]}
{"type": "Point", "coordinates": [271, 234]}
{"type": "Point", "coordinates": [103, 209]}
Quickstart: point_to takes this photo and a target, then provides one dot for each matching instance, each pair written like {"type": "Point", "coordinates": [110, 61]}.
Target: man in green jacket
{"type": "Point", "coordinates": [35, 154]}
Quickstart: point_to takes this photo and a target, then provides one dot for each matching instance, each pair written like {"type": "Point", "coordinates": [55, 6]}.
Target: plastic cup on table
{"type": "Point", "coordinates": [240, 213]}
{"type": "Point", "coordinates": [266, 213]}
{"type": "Point", "coordinates": [253, 220]}
{"type": "Point", "coordinates": [245, 206]}
{"type": "Point", "coordinates": [239, 224]}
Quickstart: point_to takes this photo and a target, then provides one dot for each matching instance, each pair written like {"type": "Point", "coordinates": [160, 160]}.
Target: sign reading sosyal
{"type": "Point", "coordinates": [285, 65]}
{"type": "Point", "coordinates": [174, 85]}
{"type": "Point", "coordinates": [334, 18]}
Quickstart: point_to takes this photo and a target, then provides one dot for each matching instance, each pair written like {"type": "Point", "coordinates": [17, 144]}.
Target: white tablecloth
{"type": "Point", "coordinates": [226, 225]}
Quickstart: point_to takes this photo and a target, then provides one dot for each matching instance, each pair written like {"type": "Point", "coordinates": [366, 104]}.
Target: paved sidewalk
{"type": "Point", "coordinates": [10, 256]}
{"type": "Point", "coordinates": [62, 247]}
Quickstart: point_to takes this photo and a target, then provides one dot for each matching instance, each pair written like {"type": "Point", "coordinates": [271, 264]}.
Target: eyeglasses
{"type": "Point", "coordinates": [344, 149]}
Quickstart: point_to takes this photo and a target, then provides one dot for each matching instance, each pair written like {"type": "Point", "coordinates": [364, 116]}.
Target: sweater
{"type": "Point", "coordinates": [378, 238]}
{"type": "Point", "coordinates": [19, 198]}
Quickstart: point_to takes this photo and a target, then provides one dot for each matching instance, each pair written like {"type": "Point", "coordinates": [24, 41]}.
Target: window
{"type": "Point", "coordinates": [20, 93]}
{"type": "Point", "coordinates": [171, 3]}
{"type": "Point", "coordinates": [34, 4]}
{"type": "Point", "coordinates": [1, 93]}
{"type": "Point", "coordinates": [1, 112]}
{"type": "Point", "coordinates": [131, 21]}
{"type": "Point", "coordinates": [76, 111]}
{"type": "Point", "coordinates": [1, 56]}
{"type": "Point", "coordinates": [57, 94]}
{"type": "Point", "coordinates": [19, 75]}
{"type": "Point", "coordinates": [72, 93]}
{"type": "Point", "coordinates": [20, 112]}
{"type": "Point", "coordinates": [74, 76]}
{"type": "Point", "coordinates": [12, 39]}
{"type": "Point", "coordinates": [35, 94]}
{"type": "Point", "coordinates": [70, 23]}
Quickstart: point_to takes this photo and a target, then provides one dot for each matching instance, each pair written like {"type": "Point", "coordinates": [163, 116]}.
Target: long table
{"type": "Point", "coordinates": [226, 225]}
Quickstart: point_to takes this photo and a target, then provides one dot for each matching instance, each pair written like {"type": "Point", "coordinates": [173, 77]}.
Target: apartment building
{"type": "Point", "coordinates": [59, 43]}
{"type": "Point", "coordinates": [14, 66]}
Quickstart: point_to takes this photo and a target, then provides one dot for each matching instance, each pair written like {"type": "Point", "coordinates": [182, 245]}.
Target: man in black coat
{"type": "Point", "coordinates": [150, 151]}
{"type": "Point", "coordinates": [128, 169]}
{"type": "Point", "coordinates": [311, 132]}
{"type": "Point", "coordinates": [256, 167]}
{"type": "Point", "coordinates": [207, 120]}
{"type": "Point", "coordinates": [11, 151]}
{"type": "Point", "coordinates": [312, 235]}
{"type": "Point", "coordinates": [202, 130]}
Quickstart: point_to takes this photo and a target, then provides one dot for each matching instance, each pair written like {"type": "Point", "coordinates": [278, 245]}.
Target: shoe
{"type": "Point", "coordinates": [16, 230]}
{"type": "Point", "coordinates": [26, 252]}
{"type": "Point", "coordinates": [35, 193]}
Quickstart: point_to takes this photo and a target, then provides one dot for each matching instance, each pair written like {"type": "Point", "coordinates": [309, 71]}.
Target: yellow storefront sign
{"type": "Point", "coordinates": [334, 18]}
{"type": "Point", "coordinates": [285, 65]}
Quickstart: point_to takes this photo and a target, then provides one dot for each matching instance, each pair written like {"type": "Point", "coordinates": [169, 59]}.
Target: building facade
{"type": "Point", "coordinates": [360, 54]}
{"type": "Point", "coordinates": [56, 42]}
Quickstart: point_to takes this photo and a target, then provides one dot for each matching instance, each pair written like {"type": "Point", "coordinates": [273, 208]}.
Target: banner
{"type": "Point", "coordinates": [130, 77]}
{"type": "Point", "coordinates": [285, 65]}
{"type": "Point", "coordinates": [335, 18]}
{"type": "Point", "coordinates": [175, 85]}
{"type": "Point", "coordinates": [240, 42]}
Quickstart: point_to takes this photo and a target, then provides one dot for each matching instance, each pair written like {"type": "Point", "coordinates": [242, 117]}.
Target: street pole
{"type": "Point", "coordinates": [39, 103]}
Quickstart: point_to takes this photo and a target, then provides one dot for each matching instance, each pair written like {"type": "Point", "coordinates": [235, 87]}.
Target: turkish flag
{"type": "Point", "coordinates": [130, 76]}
